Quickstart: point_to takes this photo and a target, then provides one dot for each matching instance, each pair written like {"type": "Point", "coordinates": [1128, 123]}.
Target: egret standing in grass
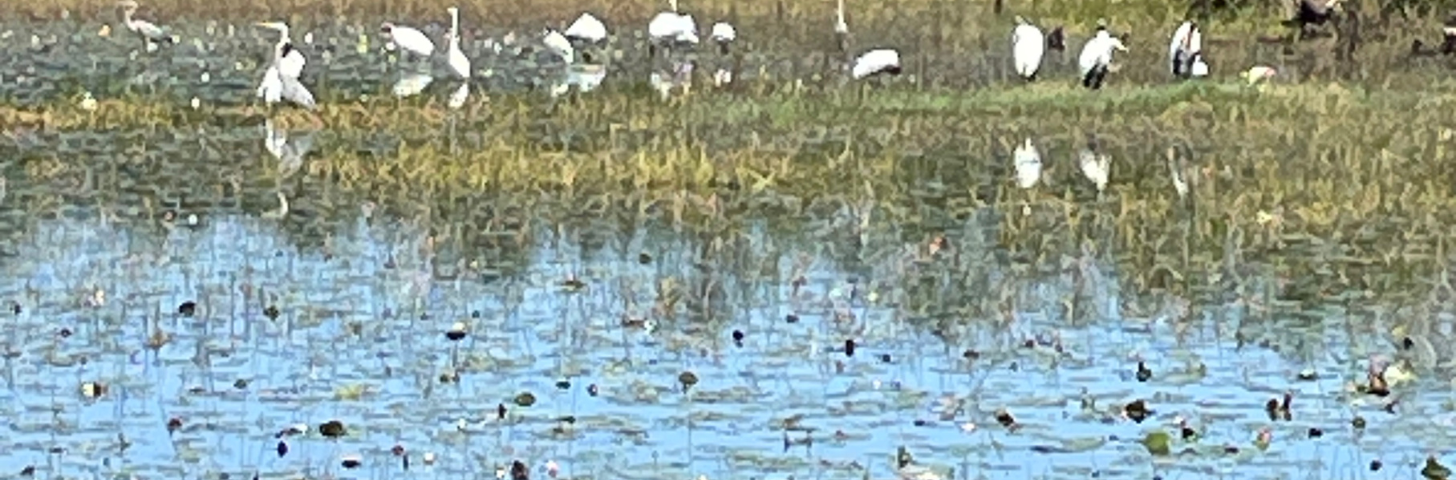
{"type": "Point", "coordinates": [559, 44]}
{"type": "Point", "coordinates": [668, 29]}
{"type": "Point", "coordinates": [455, 58]}
{"type": "Point", "coordinates": [1028, 45]}
{"type": "Point", "coordinates": [1096, 57]}
{"type": "Point", "coordinates": [723, 34]}
{"type": "Point", "coordinates": [1027, 162]}
{"type": "Point", "coordinates": [1186, 49]}
{"type": "Point", "coordinates": [587, 28]}
{"type": "Point", "coordinates": [280, 81]}
{"type": "Point", "coordinates": [877, 61]}
{"type": "Point", "coordinates": [408, 39]}
{"type": "Point", "coordinates": [148, 31]}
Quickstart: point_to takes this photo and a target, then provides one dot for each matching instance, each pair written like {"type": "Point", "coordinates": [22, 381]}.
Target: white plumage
{"type": "Point", "coordinates": [723, 32]}
{"type": "Point", "coordinates": [883, 60]}
{"type": "Point", "coordinates": [673, 27]}
{"type": "Point", "coordinates": [1095, 167]}
{"type": "Point", "coordinates": [280, 80]}
{"type": "Point", "coordinates": [409, 39]}
{"type": "Point", "coordinates": [558, 43]}
{"type": "Point", "coordinates": [1097, 57]}
{"type": "Point", "coordinates": [1185, 48]}
{"type": "Point", "coordinates": [1027, 162]}
{"type": "Point", "coordinates": [453, 56]}
{"type": "Point", "coordinates": [1028, 45]}
{"type": "Point", "coordinates": [587, 28]}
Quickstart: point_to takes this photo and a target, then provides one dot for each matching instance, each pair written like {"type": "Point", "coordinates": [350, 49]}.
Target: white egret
{"type": "Point", "coordinates": [1095, 166]}
{"type": "Point", "coordinates": [1027, 161]}
{"type": "Point", "coordinates": [587, 28]}
{"type": "Point", "coordinates": [586, 78]}
{"type": "Point", "coordinates": [1028, 45]}
{"type": "Point", "coordinates": [883, 60]}
{"type": "Point", "coordinates": [453, 56]}
{"type": "Point", "coordinates": [724, 34]}
{"type": "Point", "coordinates": [408, 39]}
{"type": "Point", "coordinates": [148, 31]}
{"type": "Point", "coordinates": [558, 43]}
{"type": "Point", "coordinates": [1096, 57]}
{"type": "Point", "coordinates": [1258, 74]}
{"type": "Point", "coordinates": [873, 62]}
{"type": "Point", "coordinates": [1185, 49]}
{"type": "Point", "coordinates": [280, 81]}
{"type": "Point", "coordinates": [669, 28]}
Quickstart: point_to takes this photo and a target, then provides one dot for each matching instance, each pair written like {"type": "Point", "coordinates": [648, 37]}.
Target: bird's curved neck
{"type": "Point", "coordinates": [673, 4]}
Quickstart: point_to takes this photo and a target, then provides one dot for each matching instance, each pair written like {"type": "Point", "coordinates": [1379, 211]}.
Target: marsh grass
{"type": "Point", "coordinates": [1308, 177]}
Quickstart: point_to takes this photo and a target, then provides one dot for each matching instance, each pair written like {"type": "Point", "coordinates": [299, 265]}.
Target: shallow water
{"type": "Point", "coordinates": [365, 297]}
{"type": "Point", "coordinates": [360, 338]}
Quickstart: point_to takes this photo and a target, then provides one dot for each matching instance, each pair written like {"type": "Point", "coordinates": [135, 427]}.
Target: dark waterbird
{"type": "Point", "coordinates": [1312, 13]}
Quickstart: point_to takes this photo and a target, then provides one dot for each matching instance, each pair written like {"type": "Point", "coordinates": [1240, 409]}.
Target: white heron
{"type": "Point", "coordinates": [1096, 57]}
{"type": "Point", "coordinates": [1027, 161]}
{"type": "Point", "coordinates": [408, 39]}
{"type": "Point", "coordinates": [1186, 49]}
{"type": "Point", "coordinates": [877, 61]}
{"type": "Point", "coordinates": [280, 81]}
{"type": "Point", "coordinates": [587, 28]}
{"type": "Point", "coordinates": [558, 43]}
{"type": "Point", "coordinates": [1096, 166]}
{"type": "Point", "coordinates": [1258, 74]}
{"type": "Point", "coordinates": [148, 31]}
{"type": "Point", "coordinates": [884, 60]}
{"type": "Point", "coordinates": [724, 34]}
{"type": "Point", "coordinates": [455, 58]}
{"type": "Point", "coordinates": [669, 28]}
{"type": "Point", "coordinates": [1028, 45]}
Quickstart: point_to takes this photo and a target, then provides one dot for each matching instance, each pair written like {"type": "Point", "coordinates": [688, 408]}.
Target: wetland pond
{"type": "Point", "coordinates": [178, 323]}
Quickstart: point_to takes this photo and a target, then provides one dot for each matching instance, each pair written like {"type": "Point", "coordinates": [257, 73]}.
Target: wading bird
{"type": "Point", "coordinates": [558, 43]}
{"type": "Point", "coordinates": [873, 62]}
{"type": "Point", "coordinates": [1096, 57]}
{"type": "Point", "coordinates": [408, 39]}
{"type": "Point", "coordinates": [587, 28]}
{"type": "Point", "coordinates": [148, 31]}
{"type": "Point", "coordinates": [724, 34]}
{"type": "Point", "coordinates": [1186, 50]}
{"type": "Point", "coordinates": [668, 29]}
{"type": "Point", "coordinates": [280, 81]}
{"type": "Point", "coordinates": [1027, 162]}
{"type": "Point", "coordinates": [1028, 45]}
{"type": "Point", "coordinates": [455, 58]}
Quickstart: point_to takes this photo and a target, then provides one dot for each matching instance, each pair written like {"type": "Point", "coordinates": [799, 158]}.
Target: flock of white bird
{"type": "Point", "coordinates": [672, 29]}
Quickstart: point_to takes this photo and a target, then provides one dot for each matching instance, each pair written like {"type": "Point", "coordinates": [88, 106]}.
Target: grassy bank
{"type": "Point", "coordinates": [1324, 183]}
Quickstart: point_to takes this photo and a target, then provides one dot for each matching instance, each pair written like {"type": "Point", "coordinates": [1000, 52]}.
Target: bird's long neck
{"type": "Point", "coordinates": [673, 4]}
{"type": "Point", "coordinates": [455, 24]}
{"type": "Point", "coordinates": [126, 16]}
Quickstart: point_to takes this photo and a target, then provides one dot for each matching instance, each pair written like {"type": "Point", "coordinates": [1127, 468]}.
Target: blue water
{"type": "Point", "coordinates": [531, 332]}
